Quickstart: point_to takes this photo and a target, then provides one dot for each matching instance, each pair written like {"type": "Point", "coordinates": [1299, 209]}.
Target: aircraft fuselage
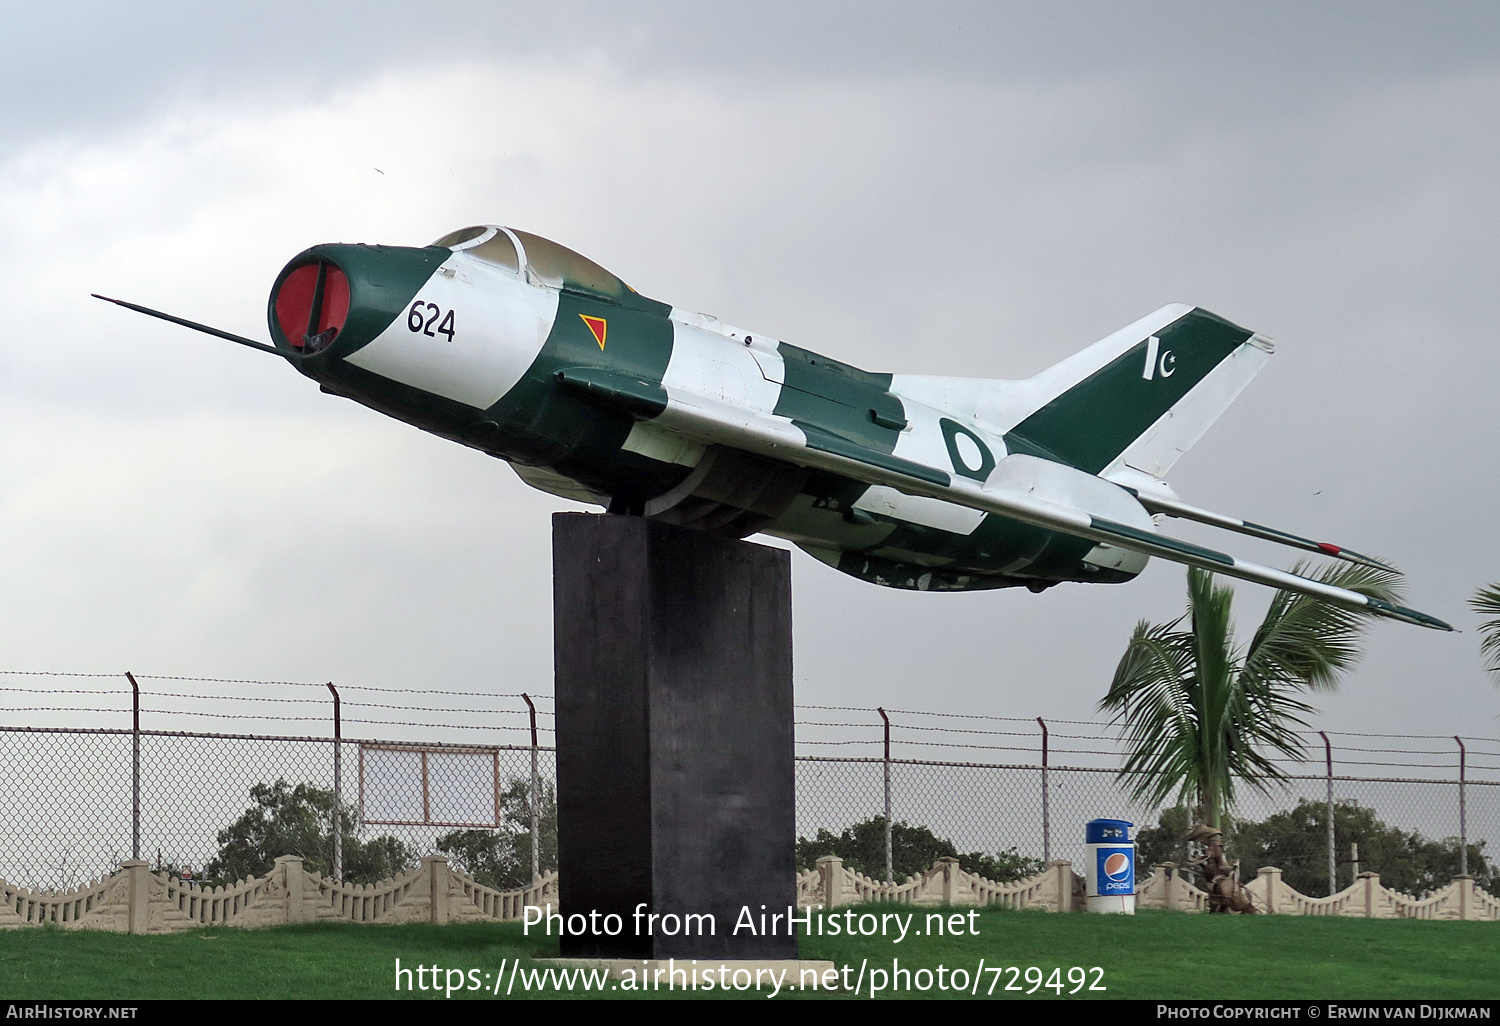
{"type": "Point", "coordinates": [512, 345]}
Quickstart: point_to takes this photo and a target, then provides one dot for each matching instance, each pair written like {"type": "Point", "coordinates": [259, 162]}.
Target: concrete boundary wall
{"type": "Point", "coordinates": [138, 900]}
{"type": "Point", "coordinates": [831, 884]}
{"type": "Point", "coordinates": [1170, 888]}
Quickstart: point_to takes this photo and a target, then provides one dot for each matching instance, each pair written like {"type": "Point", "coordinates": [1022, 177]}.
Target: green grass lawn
{"type": "Point", "coordinates": [1150, 955]}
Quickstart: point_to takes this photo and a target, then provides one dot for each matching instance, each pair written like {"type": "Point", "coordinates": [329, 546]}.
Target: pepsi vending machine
{"type": "Point", "coordinates": [1110, 861]}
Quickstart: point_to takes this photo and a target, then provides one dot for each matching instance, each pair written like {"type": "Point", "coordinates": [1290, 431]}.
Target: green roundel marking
{"type": "Point", "coordinates": [951, 431]}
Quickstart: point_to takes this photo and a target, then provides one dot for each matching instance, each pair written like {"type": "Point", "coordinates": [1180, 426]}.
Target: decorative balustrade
{"type": "Point", "coordinates": [1366, 898]}
{"type": "Point", "coordinates": [946, 883]}
{"type": "Point", "coordinates": [251, 901]}
{"type": "Point", "coordinates": [384, 902]}
{"type": "Point", "coordinates": [810, 887]}
{"type": "Point", "coordinates": [137, 900]}
{"type": "Point", "coordinates": [1168, 888]}
{"type": "Point", "coordinates": [93, 901]}
{"type": "Point", "coordinates": [490, 903]}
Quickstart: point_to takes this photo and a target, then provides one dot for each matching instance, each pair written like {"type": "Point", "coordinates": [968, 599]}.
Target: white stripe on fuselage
{"type": "Point", "coordinates": [922, 442]}
{"type": "Point", "coordinates": [499, 326]}
{"type": "Point", "coordinates": [712, 360]}
{"type": "Point", "coordinates": [730, 365]}
{"type": "Point", "coordinates": [711, 365]}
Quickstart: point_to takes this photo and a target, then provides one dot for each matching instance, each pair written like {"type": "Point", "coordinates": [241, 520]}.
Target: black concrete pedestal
{"type": "Point", "coordinates": [673, 655]}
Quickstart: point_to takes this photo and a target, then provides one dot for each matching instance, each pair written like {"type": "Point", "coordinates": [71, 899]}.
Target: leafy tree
{"type": "Point", "coordinates": [913, 850]}
{"type": "Point", "coordinates": [1486, 602]}
{"type": "Point", "coordinates": [1003, 866]}
{"type": "Point", "coordinates": [1199, 714]}
{"type": "Point", "coordinates": [298, 820]}
{"type": "Point", "coordinates": [1296, 842]}
{"type": "Point", "coordinates": [502, 858]}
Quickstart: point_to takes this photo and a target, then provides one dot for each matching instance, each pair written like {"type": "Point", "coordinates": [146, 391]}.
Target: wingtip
{"type": "Point", "coordinates": [1370, 561]}
{"type": "Point", "coordinates": [1407, 615]}
{"type": "Point", "coordinates": [1431, 622]}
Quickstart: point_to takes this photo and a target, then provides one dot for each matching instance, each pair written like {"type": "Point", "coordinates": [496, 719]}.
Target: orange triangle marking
{"type": "Point", "coordinates": [598, 326]}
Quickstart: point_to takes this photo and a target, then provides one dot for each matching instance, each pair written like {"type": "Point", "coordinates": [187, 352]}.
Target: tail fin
{"type": "Point", "coordinates": [1139, 398]}
{"type": "Point", "coordinates": [1144, 395]}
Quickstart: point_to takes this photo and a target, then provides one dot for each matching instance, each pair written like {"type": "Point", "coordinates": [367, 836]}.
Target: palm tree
{"type": "Point", "coordinates": [1486, 602]}
{"type": "Point", "coordinates": [1199, 714]}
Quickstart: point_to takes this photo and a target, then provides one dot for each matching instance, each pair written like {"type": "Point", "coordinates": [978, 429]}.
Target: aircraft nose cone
{"type": "Point", "coordinates": [311, 306]}
{"type": "Point", "coordinates": [331, 300]}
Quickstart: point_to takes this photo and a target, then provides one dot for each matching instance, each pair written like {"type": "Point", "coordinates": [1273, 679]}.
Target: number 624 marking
{"type": "Point", "coordinates": [420, 321]}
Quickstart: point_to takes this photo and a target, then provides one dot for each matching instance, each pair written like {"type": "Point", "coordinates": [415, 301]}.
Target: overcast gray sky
{"type": "Point", "coordinates": [946, 188]}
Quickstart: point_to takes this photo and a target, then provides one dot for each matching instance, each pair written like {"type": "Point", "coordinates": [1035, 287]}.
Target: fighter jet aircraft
{"type": "Point", "coordinates": [519, 347]}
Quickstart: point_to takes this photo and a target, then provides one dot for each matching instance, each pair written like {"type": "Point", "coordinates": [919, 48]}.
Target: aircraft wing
{"type": "Point", "coordinates": [722, 423]}
{"type": "Point", "coordinates": [1176, 508]}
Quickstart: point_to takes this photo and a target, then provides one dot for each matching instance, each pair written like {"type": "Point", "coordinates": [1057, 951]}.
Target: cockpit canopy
{"type": "Point", "coordinates": [546, 262]}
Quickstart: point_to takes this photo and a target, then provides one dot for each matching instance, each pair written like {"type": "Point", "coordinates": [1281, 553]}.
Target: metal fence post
{"type": "Point", "coordinates": [1333, 879]}
{"type": "Point", "coordinates": [1046, 810]}
{"type": "Point", "coordinates": [338, 786]}
{"type": "Point", "coordinates": [890, 875]}
{"type": "Point", "coordinates": [536, 800]}
{"type": "Point", "coordinates": [1463, 819]}
{"type": "Point", "coordinates": [135, 767]}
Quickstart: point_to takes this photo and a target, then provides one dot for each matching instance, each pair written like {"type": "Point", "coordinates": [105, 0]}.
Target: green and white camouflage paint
{"type": "Point", "coordinates": [516, 346]}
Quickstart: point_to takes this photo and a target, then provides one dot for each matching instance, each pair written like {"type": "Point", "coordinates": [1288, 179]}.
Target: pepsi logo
{"type": "Point", "coordinates": [1117, 866]}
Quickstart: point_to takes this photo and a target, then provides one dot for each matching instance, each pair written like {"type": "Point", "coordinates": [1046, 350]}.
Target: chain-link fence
{"type": "Point", "coordinates": [68, 814]}
{"type": "Point", "coordinates": [991, 808]}
{"type": "Point", "coordinates": [76, 800]}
